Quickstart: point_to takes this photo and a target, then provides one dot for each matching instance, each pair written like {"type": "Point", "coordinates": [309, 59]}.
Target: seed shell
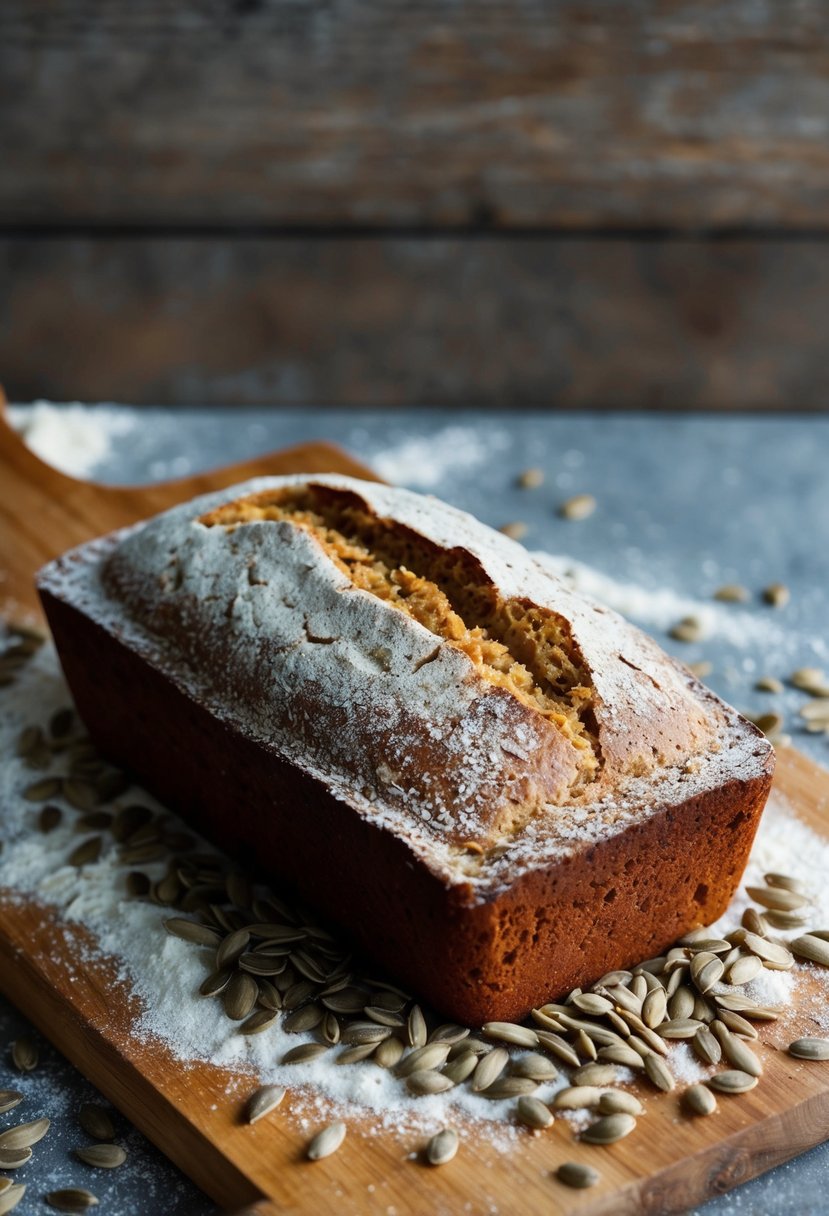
{"type": "Point", "coordinates": [192, 931]}
{"type": "Point", "coordinates": [609, 1129]}
{"type": "Point", "coordinates": [304, 1052]}
{"type": "Point", "coordinates": [327, 1141]}
{"type": "Point", "coordinates": [11, 1196]}
{"type": "Point", "coordinates": [442, 1147]}
{"type": "Point", "coordinates": [810, 1048]}
{"type": "Point", "coordinates": [699, 1100]}
{"type": "Point", "coordinates": [9, 1098]}
{"type": "Point", "coordinates": [812, 948]}
{"type": "Point", "coordinates": [489, 1068]}
{"type": "Point", "coordinates": [658, 1073]}
{"type": "Point", "coordinates": [24, 1135]}
{"type": "Point", "coordinates": [72, 1199]}
{"type": "Point", "coordinates": [263, 1102]}
{"type": "Point", "coordinates": [95, 1121]}
{"type": "Point", "coordinates": [577, 1097]}
{"type": "Point", "coordinates": [25, 1054]}
{"type": "Point", "coordinates": [574, 1174]}
{"type": "Point", "coordinates": [732, 1081]}
{"type": "Point", "coordinates": [102, 1156]}
{"type": "Point", "coordinates": [509, 1032]}
{"type": "Point", "coordinates": [13, 1158]}
{"type": "Point", "coordinates": [619, 1102]}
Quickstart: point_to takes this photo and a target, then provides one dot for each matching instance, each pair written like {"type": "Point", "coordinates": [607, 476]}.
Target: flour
{"type": "Point", "coordinates": [73, 438]}
{"type": "Point", "coordinates": [164, 972]}
{"type": "Point", "coordinates": [423, 463]}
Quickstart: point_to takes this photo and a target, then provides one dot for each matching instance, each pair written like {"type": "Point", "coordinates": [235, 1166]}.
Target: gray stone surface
{"type": "Point", "coordinates": [684, 504]}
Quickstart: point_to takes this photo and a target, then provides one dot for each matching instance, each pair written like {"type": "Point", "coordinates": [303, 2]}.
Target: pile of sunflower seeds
{"type": "Point", "coordinates": [273, 962]}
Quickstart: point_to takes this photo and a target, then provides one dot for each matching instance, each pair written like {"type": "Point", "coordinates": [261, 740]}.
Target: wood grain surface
{"type": "Point", "coordinates": [467, 321]}
{"type": "Point", "coordinates": [580, 113]}
{"type": "Point", "coordinates": [669, 1163]}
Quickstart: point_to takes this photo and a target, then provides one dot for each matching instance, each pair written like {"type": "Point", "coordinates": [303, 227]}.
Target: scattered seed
{"type": "Point", "coordinates": [416, 1027]}
{"type": "Point", "coordinates": [13, 1158]}
{"type": "Point", "coordinates": [619, 1102]}
{"type": "Point", "coordinates": [531, 479]}
{"type": "Point", "coordinates": [43, 790]}
{"type": "Point", "coordinates": [654, 1007]}
{"type": "Point", "coordinates": [432, 1055]}
{"type": "Point", "coordinates": [95, 1121]}
{"type": "Point", "coordinates": [442, 1147]}
{"type": "Point", "coordinates": [192, 931]}
{"type": "Point", "coordinates": [489, 1069]}
{"type": "Point", "coordinates": [737, 1052]}
{"type": "Point", "coordinates": [49, 817]}
{"type": "Point", "coordinates": [781, 899]}
{"type": "Point", "coordinates": [24, 1135]}
{"type": "Point", "coordinates": [689, 629]}
{"type": "Point", "coordinates": [535, 1066]}
{"type": "Point", "coordinates": [621, 1053]}
{"type": "Point", "coordinates": [558, 1047]}
{"type": "Point", "coordinates": [595, 1074]}
{"type": "Point", "coordinates": [574, 1174]}
{"type": "Point", "coordinates": [732, 593]}
{"type": "Point", "coordinates": [258, 1021]}
{"type": "Point", "coordinates": [240, 996]}
{"type": "Point", "coordinates": [812, 946]}
{"type": "Point", "coordinates": [658, 1073]}
{"type": "Point", "coordinates": [679, 1028]}
{"type": "Point", "coordinates": [516, 530]}
{"type": "Point", "coordinates": [102, 1156]}
{"type": "Point", "coordinates": [810, 1048]}
{"type": "Point", "coordinates": [577, 1097]}
{"type": "Point", "coordinates": [426, 1081]}
{"type": "Point", "coordinates": [306, 1018]}
{"type": "Point", "coordinates": [510, 1087]}
{"type": "Point", "coordinates": [9, 1098]}
{"type": "Point", "coordinates": [706, 970]}
{"type": "Point", "coordinates": [365, 1032]}
{"type": "Point", "coordinates": [72, 1199]}
{"type": "Point", "coordinates": [699, 1100]}
{"type": "Point", "coordinates": [509, 1032]}
{"type": "Point", "coordinates": [580, 506]}
{"type": "Point", "coordinates": [775, 956]}
{"type": "Point", "coordinates": [744, 969]}
{"type": "Point", "coordinates": [353, 1055]}
{"type": "Point", "coordinates": [11, 1196]}
{"type": "Point", "coordinates": [776, 594]}
{"type": "Point", "coordinates": [25, 1054]}
{"type": "Point", "coordinates": [263, 1102]}
{"type": "Point", "coordinates": [304, 1052]}
{"type": "Point", "coordinates": [732, 1081]}
{"type": "Point", "coordinates": [706, 1046]}
{"type": "Point", "coordinates": [769, 724]}
{"type": "Point", "coordinates": [532, 1112]}
{"type": "Point", "coordinates": [389, 1053]}
{"type": "Point", "coordinates": [609, 1129]}
{"type": "Point", "coordinates": [326, 1141]}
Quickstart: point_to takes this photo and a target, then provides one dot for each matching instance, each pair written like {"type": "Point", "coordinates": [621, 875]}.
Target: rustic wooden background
{"type": "Point", "coordinates": [471, 202]}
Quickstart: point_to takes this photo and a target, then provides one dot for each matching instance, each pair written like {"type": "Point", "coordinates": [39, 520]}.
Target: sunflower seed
{"type": "Point", "coordinates": [776, 594]}
{"type": "Point", "coordinates": [43, 790]}
{"type": "Point", "coordinates": [769, 684]}
{"type": "Point", "coordinates": [737, 1003]}
{"type": "Point", "coordinates": [595, 1074]}
{"type": "Point", "coordinates": [72, 1199]}
{"type": "Point", "coordinates": [775, 956]}
{"type": "Point", "coordinates": [558, 1047]}
{"type": "Point", "coordinates": [95, 1121]}
{"type": "Point", "coordinates": [11, 1196]}
{"type": "Point", "coordinates": [679, 1028]}
{"type": "Point", "coordinates": [25, 1054]}
{"type": "Point", "coordinates": [384, 1017]}
{"type": "Point", "coordinates": [732, 1081]}
{"type": "Point", "coordinates": [609, 1129]}
{"type": "Point", "coordinates": [331, 1029]}
{"type": "Point", "coordinates": [699, 1100]}
{"type": "Point", "coordinates": [24, 1135]}
{"type": "Point", "coordinates": [515, 530]}
{"type": "Point", "coordinates": [326, 1141]}
{"type": "Point", "coordinates": [706, 970]}
{"type": "Point", "coordinates": [535, 1066]}
{"type": "Point", "coordinates": [689, 629]}
{"type": "Point", "coordinates": [9, 1098]}
{"type": "Point", "coordinates": [192, 931]}
{"type": "Point", "coordinates": [622, 1054]}
{"type": "Point", "coordinates": [577, 1097]}
{"type": "Point", "coordinates": [426, 1081]}
{"type": "Point", "coordinates": [430, 1056]}
{"type": "Point", "coordinates": [580, 506]}
{"type": "Point", "coordinates": [102, 1156]}
{"type": "Point", "coordinates": [810, 1048]}
{"type": "Point", "coordinates": [592, 1003]}
{"type": "Point", "coordinates": [304, 1053]}
{"type": "Point", "coordinates": [531, 479]}
{"type": "Point", "coordinates": [509, 1087]}
{"type": "Point", "coordinates": [533, 1113]}
{"type": "Point", "coordinates": [654, 1007]}
{"type": "Point", "coordinates": [744, 969]}
{"type": "Point", "coordinates": [354, 1055]}
{"type": "Point", "coordinates": [509, 1032]}
{"type": "Point", "coordinates": [737, 1052]}
{"type": "Point", "coordinates": [658, 1073]}
{"type": "Point", "coordinates": [240, 996]}
{"type": "Point", "coordinates": [13, 1158]}
{"type": "Point", "coordinates": [86, 853]}
{"type": "Point", "coordinates": [706, 1046]}
{"type": "Point", "coordinates": [489, 1069]}
{"type": "Point", "coordinates": [576, 1175]}
{"type": "Point", "coordinates": [346, 1001]}
{"type": "Point", "coordinates": [231, 948]}
{"type": "Point", "coordinates": [812, 948]}
{"type": "Point", "coordinates": [442, 1147]}
{"type": "Point", "coordinates": [781, 899]}
{"type": "Point", "coordinates": [49, 817]}
{"type": "Point", "coordinates": [258, 1021]}
{"type": "Point", "coordinates": [366, 1032]}
{"type": "Point", "coordinates": [301, 1020]}
{"type": "Point", "coordinates": [619, 1102]}
{"type": "Point", "coordinates": [416, 1027]}
{"type": "Point", "coordinates": [263, 1102]}
{"type": "Point", "coordinates": [389, 1053]}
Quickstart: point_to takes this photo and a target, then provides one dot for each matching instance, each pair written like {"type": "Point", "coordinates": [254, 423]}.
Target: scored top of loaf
{"type": "Point", "coordinates": [423, 666]}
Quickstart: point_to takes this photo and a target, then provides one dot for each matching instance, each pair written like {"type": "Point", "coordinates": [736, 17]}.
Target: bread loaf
{"type": "Point", "coordinates": [498, 787]}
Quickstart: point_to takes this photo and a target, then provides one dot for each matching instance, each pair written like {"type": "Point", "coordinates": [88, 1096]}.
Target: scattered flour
{"type": "Point", "coordinates": [164, 972]}
{"type": "Point", "coordinates": [423, 463]}
{"type": "Point", "coordinates": [74, 438]}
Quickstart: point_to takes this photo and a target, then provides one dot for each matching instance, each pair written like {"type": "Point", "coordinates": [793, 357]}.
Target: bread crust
{"type": "Point", "coordinates": [482, 920]}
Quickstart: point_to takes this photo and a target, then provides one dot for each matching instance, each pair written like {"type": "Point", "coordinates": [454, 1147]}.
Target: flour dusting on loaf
{"type": "Point", "coordinates": [423, 666]}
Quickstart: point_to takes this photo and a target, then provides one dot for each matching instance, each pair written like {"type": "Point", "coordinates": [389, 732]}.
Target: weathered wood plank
{"type": "Point", "coordinates": [387, 321]}
{"type": "Point", "coordinates": [415, 112]}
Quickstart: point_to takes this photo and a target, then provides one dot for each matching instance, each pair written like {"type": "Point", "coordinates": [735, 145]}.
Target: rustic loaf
{"type": "Point", "coordinates": [498, 787]}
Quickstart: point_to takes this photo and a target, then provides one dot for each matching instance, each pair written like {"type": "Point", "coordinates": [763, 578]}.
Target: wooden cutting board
{"type": "Point", "coordinates": [668, 1164]}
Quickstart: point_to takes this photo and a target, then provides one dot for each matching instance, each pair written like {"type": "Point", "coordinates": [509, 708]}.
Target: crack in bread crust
{"type": "Point", "coordinates": [513, 643]}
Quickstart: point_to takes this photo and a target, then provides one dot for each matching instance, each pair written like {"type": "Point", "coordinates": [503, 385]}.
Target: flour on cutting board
{"type": "Point", "coordinates": [165, 972]}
